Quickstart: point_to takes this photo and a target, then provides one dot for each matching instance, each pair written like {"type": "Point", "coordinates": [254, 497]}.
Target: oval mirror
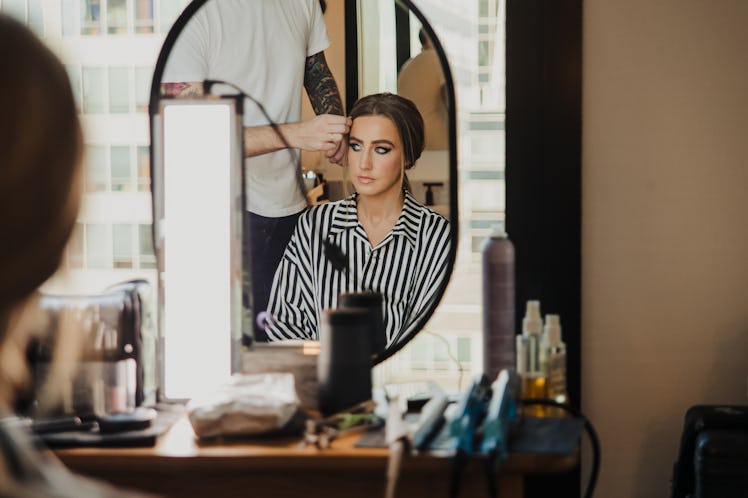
{"type": "Point", "coordinates": [273, 62]}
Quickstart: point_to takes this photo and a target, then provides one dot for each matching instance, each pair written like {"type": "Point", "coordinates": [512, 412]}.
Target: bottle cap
{"type": "Point", "coordinates": [553, 329]}
{"type": "Point", "coordinates": [532, 323]}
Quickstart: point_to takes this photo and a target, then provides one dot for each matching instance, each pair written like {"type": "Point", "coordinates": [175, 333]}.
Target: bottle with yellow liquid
{"type": "Point", "coordinates": [532, 358]}
{"type": "Point", "coordinates": [556, 385]}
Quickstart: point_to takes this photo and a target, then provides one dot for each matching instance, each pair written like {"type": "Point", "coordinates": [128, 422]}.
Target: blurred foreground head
{"type": "Point", "coordinates": [40, 179]}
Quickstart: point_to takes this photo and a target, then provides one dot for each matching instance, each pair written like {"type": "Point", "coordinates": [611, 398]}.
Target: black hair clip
{"type": "Point", "coordinates": [335, 256]}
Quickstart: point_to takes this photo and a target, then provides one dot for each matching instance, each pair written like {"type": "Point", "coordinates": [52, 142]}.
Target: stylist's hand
{"type": "Point", "coordinates": [325, 132]}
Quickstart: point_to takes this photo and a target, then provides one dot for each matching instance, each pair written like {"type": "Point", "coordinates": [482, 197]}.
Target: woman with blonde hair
{"type": "Point", "coordinates": [40, 188]}
{"type": "Point", "coordinates": [380, 239]}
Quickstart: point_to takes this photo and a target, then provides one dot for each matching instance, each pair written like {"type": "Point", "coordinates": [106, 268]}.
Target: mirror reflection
{"type": "Point", "coordinates": [333, 203]}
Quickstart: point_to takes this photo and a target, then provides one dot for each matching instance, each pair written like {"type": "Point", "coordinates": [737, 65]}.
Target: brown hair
{"type": "Point", "coordinates": [400, 111]}
{"type": "Point", "coordinates": [40, 155]}
{"type": "Point", "coordinates": [40, 168]}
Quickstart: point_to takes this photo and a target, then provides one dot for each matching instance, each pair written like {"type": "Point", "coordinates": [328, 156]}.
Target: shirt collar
{"type": "Point", "coordinates": [407, 224]}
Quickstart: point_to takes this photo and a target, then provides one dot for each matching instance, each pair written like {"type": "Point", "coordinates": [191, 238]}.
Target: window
{"type": "Point", "coordinates": [143, 77]}
{"type": "Point", "coordinates": [75, 247]}
{"type": "Point", "coordinates": [93, 90]}
{"type": "Point", "coordinates": [116, 17]}
{"type": "Point", "coordinates": [169, 11]}
{"type": "Point", "coordinates": [120, 165]}
{"type": "Point", "coordinates": [90, 16]}
{"type": "Point", "coordinates": [122, 250]}
{"type": "Point", "coordinates": [143, 16]}
{"type": "Point", "coordinates": [69, 18]}
{"type": "Point", "coordinates": [74, 74]}
{"type": "Point", "coordinates": [96, 169]}
{"type": "Point", "coordinates": [119, 90]}
{"type": "Point", "coordinates": [97, 246]}
{"type": "Point", "coordinates": [144, 169]}
{"type": "Point", "coordinates": [145, 237]}
{"type": "Point", "coordinates": [28, 12]}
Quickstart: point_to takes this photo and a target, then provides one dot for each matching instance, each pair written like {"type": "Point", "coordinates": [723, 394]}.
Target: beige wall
{"type": "Point", "coordinates": [665, 226]}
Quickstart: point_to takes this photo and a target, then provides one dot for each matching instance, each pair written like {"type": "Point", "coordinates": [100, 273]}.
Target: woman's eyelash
{"type": "Point", "coordinates": [382, 150]}
{"type": "Point", "coordinates": [355, 146]}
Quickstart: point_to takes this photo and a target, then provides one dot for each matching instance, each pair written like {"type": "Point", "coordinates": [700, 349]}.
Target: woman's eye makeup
{"type": "Point", "coordinates": [354, 146]}
{"type": "Point", "coordinates": [382, 150]}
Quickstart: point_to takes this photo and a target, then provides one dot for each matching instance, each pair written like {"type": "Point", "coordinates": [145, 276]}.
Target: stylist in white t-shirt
{"type": "Point", "coordinates": [268, 49]}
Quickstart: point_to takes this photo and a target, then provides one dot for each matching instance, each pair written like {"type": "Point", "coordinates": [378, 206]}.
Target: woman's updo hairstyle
{"type": "Point", "coordinates": [400, 111]}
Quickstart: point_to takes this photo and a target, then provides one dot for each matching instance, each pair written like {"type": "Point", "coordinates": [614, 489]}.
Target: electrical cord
{"type": "Point", "coordinates": [295, 158]}
{"type": "Point", "coordinates": [588, 427]}
{"type": "Point", "coordinates": [460, 368]}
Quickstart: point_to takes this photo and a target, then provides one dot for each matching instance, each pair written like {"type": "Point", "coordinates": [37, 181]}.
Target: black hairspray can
{"type": "Point", "coordinates": [498, 303]}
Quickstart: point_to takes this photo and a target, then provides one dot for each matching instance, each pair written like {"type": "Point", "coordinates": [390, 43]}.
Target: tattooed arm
{"type": "Point", "coordinates": [182, 89]}
{"type": "Point", "coordinates": [325, 132]}
{"type": "Point", "coordinates": [324, 96]}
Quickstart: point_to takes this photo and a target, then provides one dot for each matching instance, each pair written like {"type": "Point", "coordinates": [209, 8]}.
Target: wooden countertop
{"type": "Point", "coordinates": [181, 465]}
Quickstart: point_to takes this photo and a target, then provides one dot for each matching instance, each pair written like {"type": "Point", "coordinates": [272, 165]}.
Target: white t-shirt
{"type": "Point", "coordinates": [261, 47]}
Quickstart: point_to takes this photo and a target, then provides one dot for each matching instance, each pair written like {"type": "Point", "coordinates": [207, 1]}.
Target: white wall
{"type": "Point", "coordinates": [665, 226]}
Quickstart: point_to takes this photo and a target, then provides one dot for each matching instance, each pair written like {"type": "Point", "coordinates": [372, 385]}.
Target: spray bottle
{"type": "Point", "coordinates": [498, 303]}
{"type": "Point", "coordinates": [556, 362]}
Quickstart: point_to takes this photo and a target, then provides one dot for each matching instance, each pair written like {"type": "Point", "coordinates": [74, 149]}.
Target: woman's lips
{"type": "Point", "coordinates": [365, 179]}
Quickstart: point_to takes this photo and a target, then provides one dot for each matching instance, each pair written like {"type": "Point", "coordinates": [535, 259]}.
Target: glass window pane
{"type": "Point", "coordinates": [74, 74]}
{"type": "Point", "coordinates": [487, 148]}
{"type": "Point", "coordinates": [484, 55]}
{"type": "Point", "coordinates": [144, 16]}
{"type": "Point", "coordinates": [75, 247]}
{"type": "Point", "coordinates": [147, 258]}
{"type": "Point", "coordinates": [119, 90]}
{"type": "Point", "coordinates": [93, 90]}
{"type": "Point", "coordinates": [143, 77]}
{"type": "Point", "coordinates": [15, 9]}
{"type": "Point", "coordinates": [90, 17]}
{"type": "Point", "coordinates": [96, 169]}
{"type": "Point", "coordinates": [69, 17]}
{"type": "Point", "coordinates": [122, 246]}
{"type": "Point", "coordinates": [36, 17]}
{"type": "Point", "coordinates": [463, 349]}
{"type": "Point", "coordinates": [121, 174]}
{"type": "Point", "coordinates": [169, 12]}
{"type": "Point", "coordinates": [97, 255]}
{"type": "Point", "coordinates": [116, 16]}
{"type": "Point", "coordinates": [144, 169]}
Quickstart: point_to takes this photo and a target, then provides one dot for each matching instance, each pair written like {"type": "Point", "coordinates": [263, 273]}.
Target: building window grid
{"type": "Point", "coordinates": [137, 81]}
{"type": "Point", "coordinates": [137, 253]}
{"type": "Point", "coordinates": [103, 175]}
{"type": "Point", "coordinates": [29, 12]}
{"type": "Point", "coordinates": [140, 17]}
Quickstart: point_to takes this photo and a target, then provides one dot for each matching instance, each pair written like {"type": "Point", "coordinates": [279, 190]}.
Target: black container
{"type": "Point", "coordinates": [373, 302]}
{"type": "Point", "coordinates": [344, 364]}
{"type": "Point", "coordinates": [498, 304]}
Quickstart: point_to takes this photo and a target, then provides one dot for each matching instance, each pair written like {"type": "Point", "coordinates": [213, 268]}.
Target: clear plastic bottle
{"type": "Point", "coordinates": [498, 303]}
{"type": "Point", "coordinates": [556, 362]}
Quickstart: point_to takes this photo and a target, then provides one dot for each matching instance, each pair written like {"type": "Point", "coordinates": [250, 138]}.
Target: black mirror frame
{"type": "Point", "coordinates": [352, 83]}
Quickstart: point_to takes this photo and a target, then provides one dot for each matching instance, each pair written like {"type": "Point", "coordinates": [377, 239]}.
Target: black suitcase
{"type": "Point", "coordinates": [713, 456]}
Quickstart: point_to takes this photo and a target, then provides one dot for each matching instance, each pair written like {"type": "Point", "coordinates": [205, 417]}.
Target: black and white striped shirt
{"type": "Point", "coordinates": [407, 268]}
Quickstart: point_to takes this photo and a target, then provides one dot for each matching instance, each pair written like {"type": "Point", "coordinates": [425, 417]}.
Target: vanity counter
{"type": "Point", "coordinates": [180, 466]}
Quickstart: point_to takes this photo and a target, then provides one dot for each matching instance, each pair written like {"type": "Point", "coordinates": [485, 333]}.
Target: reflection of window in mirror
{"type": "Point", "coordinates": [449, 349]}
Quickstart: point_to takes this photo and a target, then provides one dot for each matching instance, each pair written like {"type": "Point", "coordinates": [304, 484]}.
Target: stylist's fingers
{"type": "Point", "coordinates": [336, 155]}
